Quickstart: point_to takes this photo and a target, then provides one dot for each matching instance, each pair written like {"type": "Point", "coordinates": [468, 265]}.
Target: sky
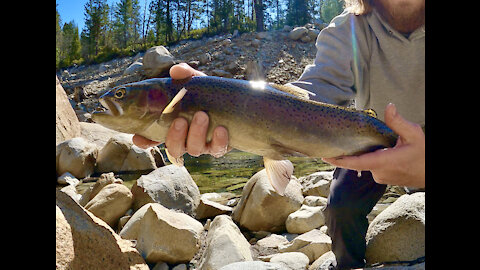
{"type": "Point", "coordinates": [73, 10]}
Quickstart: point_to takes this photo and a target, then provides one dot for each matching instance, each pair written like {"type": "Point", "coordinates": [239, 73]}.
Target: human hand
{"type": "Point", "coordinates": [183, 139]}
{"type": "Point", "coordinates": [402, 165]}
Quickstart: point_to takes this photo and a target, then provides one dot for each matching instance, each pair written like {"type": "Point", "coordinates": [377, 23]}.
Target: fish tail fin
{"type": "Point", "coordinates": [279, 173]}
{"type": "Point", "coordinates": [177, 161]}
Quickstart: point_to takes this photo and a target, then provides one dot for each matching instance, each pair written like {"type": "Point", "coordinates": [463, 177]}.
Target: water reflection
{"type": "Point", "coordinates": [225, 174]}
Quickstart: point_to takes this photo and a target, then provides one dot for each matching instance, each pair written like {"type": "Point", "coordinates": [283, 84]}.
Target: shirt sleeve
{"type": "Point", "coordinates": [333, 74]}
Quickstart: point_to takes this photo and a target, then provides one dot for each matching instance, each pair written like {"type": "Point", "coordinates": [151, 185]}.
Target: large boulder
{"type": "Point", "coordinates": [171, 186]}
{"type": "Point", "coordinates": [120, 154]}
{"type": "Point", "coordinates": [261, 208]}
{"type": "Point", "coordinates": [157, 60]}
{"type": "Point", "coordinates": [163, 235]}
{"type": "Point", "coordinates": [76, 156]}
{"type": "Point", "coordinates": [398, 232]}
{"type": "Point", "coordinates": [225, 245]}
{"type": "Point", "coordinates": [84, 241]}
{"type": "Point", "coordinates": [67, 124]}
{"type": "Point", "coordinates": [111, 203]}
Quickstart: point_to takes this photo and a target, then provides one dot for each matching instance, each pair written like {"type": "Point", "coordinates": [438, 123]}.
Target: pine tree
{"type": "Point", "coordinates": [126, 24]}
{"type": "Point", "coordinates": [96, 21]}
{"type": "Point", "coordinates": [71, 43]}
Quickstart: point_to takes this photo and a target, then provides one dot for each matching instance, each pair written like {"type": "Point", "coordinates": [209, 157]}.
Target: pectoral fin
{"type": "Point", "coordinates": [170, 107]}
{"type": "Point", "coordinates": [279, 173]}
{"type": "Point", "coordinates": [177, 161]}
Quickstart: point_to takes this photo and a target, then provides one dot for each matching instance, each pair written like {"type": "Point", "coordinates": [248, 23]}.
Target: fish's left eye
{"type": "Point", "coordinates": [120, 93]}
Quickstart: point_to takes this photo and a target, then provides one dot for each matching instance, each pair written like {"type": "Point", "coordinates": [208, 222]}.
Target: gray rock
{"type": "Point", "coordinates": [157, 60]}
{"type": "Point", "coordinates": [257, 265]}
{"type": "Point", "coordinates": [398, 233]}
{"type": "Point", "coordinates": [297, 33]}
{"type": "Point", "coordinates": [163, 235]}
{"type": "Point", "coordinates": [261, 208]}
{"type": "Point", "coordinates": [171, 186]}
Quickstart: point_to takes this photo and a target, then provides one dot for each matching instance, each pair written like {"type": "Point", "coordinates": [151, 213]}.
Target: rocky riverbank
{"type": "Point", "coordinates": [163, 221]}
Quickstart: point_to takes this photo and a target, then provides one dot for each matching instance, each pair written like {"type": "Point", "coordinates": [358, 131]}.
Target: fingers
{"type": "Point", "coordinates": [184, 71]}
{"type": "Point", "coordinates": [365, 162]}
{"type": "Point", "coordinates": [197, 134]}
{"type": "Point", "coordinates": [176, 136]}
{"type": "Point", "coordinates": [143, 142]}
{"type": "Point", "coordinates": [219, 144]}
{"type": "Point", "coordinates": [407, 130]}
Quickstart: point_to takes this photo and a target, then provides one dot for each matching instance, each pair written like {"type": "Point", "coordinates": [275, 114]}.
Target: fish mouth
{"type": "Point", "coordinates": [112, 107]}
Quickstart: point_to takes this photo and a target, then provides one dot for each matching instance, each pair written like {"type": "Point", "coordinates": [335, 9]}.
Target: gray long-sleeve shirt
{"type": "Point", "coordinates": [364, 58]}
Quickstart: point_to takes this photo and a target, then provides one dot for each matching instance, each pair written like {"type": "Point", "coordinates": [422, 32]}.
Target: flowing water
{"type": "Point", "coordinates": [225, 174]}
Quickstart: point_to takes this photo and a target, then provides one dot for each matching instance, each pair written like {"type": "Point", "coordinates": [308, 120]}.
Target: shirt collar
{"type": "Point", "coordinates": [418, 33]}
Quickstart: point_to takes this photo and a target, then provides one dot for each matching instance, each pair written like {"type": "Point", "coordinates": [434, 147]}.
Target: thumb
{"type": "Point", "coordinates": [404, 128]}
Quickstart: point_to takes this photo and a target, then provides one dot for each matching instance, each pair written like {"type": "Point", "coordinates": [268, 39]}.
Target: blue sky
{"type": "Point", "coordinates": [73, 10]}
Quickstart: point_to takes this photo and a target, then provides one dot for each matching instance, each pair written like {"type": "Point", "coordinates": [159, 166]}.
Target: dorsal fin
{"type": "Point", "coordinates": [294, 90]}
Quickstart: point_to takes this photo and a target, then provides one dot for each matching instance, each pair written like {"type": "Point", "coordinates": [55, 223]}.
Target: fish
{"type": "Point", "coordinates": [266, 119]}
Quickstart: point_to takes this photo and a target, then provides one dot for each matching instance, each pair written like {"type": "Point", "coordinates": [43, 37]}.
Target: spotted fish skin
{"type": "Point", "coordinates": [260, 118]}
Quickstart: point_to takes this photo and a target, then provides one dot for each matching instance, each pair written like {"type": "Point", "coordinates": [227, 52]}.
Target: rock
{"type": "Point", "coordinates": [262, 209]}
{"type": "Point", "coordinates": [297, 33]}
{"type": "Point", "coordinates": [256, 43]}
{"type": "Point", "coordinates": [287, 28]}
{"type": "Point", "coordinates": [225, 245]}
{"type": "Point", "coordinates": [292, 260]}
{"type": "Point", "coordinates": [157, 60]}
{"type": "Point", "coordinates": [134, 67]}
{"type": "Point", "coordinates": [272, 241]}
{"type": "Point", "coordinates": [316, 184]}
{"type": "Point", "coordinates": [67, 179]}
{"type": "Point", "coordinates": [257, 265]}
{"type": "Point", "coordinates": [161, 266]}
{"type": "Point", "coordinates": [98, 134]}
{"type": "Point", "coordinates": [93, 243]}
{"type": "Point", "coordinates": [92, 191]}
{"type": "Point", "coordinates": [163, 235]}
{"type": "Point", "coordinates": [323, 261]}
{"type": "Point", "coordinates": [263, 35]}
{"type": "Point", "coordinates": [171, 186]}
{"type": "Point", "coordinates": [76, 156]}
{"type": "Point", "coordinates": [313, 33]}
{"type": "Point", "coordinates": [204, 58]}
{"type": "Point", "coordinates": [305, 219]}
{"type": "Point", "coordinates": [65, 253]}
{"type": "Point", "coordinates": [207, 209]}
{"type": "Point", "coordinates": [313, 244]}
{"type": "Point", "coordinates": [398, 233]}
{"type": "Point", "coordinates": [67, 124]}
{"type": "Point", "coordinates": [221, 73]}
{"type": "Point", "coordinates": [120, 154]}
{"type": "Point", "coordinates": [111, 203]}
{"type": "Point", "coordinates": [71, 191]}
{"type": "Point", "coordinates": [315, 201]}
{"type": "Point", "coordinates": [305, 39]}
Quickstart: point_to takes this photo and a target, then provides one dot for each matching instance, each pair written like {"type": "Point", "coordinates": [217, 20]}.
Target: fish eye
{"type": "Point", "coordinates": [120, 93]}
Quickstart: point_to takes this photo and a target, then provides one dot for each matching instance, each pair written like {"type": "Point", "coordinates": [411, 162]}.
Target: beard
{"type": "Point", "coordinates": [403, 15]}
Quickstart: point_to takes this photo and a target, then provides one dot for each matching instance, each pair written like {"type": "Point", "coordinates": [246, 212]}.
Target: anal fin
{"type": "Point", "coordinates": [177, 161]}
{"type": "Point", "coordinates": [279, 173]}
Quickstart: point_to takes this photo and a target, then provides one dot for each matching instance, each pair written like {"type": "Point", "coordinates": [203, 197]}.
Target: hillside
{"type": "Point", "coordinates": [281, 58]}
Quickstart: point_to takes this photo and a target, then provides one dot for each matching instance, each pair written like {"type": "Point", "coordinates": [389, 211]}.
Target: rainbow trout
{"type": "Point", "coordinates": [273, 121]}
